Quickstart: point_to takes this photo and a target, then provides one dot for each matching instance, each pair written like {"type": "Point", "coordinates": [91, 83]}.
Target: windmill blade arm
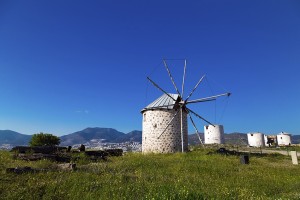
{"type": "Point", "coordinates": [193, 122]}
{"type": "Point", "coordinates": [195, 88]}
{"type": "Point", "coordinates": [201, 100]}
{"type": "Point", "coordinates": [199, 116]}
{"type": "Point", "coordinates": [195, 128]}
{"type": "Point", "coordinates": [212, 98]}
{"type": "Point", "coordinates": [169, 123]}
{"type": "Point", "coordinates": [183, 79]}
{"type": "Point", "coordinates": [160, 88]}
{"type": "Point", "coordinates": [171, 77]}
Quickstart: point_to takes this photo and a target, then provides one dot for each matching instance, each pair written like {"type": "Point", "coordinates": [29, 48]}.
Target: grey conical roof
{"type": "Point", "coordinates": [163, 102]}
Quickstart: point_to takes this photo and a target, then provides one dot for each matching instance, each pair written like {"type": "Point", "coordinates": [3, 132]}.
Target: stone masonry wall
{"type": "Point", "coordinates": [154, 122]}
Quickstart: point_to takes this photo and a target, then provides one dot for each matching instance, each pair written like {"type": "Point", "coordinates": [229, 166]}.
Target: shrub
{"type": "Point", "coordinates": [44, 139]}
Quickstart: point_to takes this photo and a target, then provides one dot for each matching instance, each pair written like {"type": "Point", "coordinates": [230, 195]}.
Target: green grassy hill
{"type": "Point", "coordinates": [193, 175]}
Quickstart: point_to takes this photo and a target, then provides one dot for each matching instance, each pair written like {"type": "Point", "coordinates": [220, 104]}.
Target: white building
{"type": "Point", "coordinates": [158, 137]}
{"type": "Point", "coordinates": [256, 139]}
{"type": "Point", "coordinates": [213, 134]}
{"type": "Point", "coordinates": [284, 139]}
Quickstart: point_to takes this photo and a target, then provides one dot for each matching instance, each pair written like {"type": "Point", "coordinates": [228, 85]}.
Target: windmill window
{"type": "Point", "coordinates": [251, 134]}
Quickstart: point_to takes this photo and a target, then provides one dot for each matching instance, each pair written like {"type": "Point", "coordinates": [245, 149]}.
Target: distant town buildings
{"type": "Point", "coordinates": [6, 147]}
{"type": "Point", "coordinates": [100, 144]}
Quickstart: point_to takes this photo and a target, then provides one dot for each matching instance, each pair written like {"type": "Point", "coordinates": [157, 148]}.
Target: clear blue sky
{"type": "Point", "coordinates": [68, 65]}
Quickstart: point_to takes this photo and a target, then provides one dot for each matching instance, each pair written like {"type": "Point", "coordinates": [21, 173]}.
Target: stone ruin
{"type": "Point", "coordinates": [62, 155]}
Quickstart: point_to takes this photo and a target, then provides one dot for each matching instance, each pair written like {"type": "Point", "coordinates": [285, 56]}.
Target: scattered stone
{"type": "Point", "coordinates": [294, 157]}
{"type": "Point", "coordinates": [26, 169]}
{"type": "Point", "coordinates": [40, 156]}
{"type": "Point", "coordinates": [114, 152]}
{"type": "Point", "coordinates": [81, 148]}
{"type": "Point", "coordinates": [67, 166]}
{"type": "Point", "coordinates": [224, 151]}
{"type": "Point", "coordinates": [34, 157]}
{"type": "Point", "coordinates": [244, 159]}
{"type": "Point", "coordinates": [69, 148]}
{"type": "Point", "coordinates": [97, 155]}
{"type": "Point", "coordinates": [22, 170]}
{"type": "Point", "coordinates": [39, 149]}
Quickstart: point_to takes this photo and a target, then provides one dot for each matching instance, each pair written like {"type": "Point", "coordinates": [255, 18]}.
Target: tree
{"type": "Point", "coordinates": [44, 139]}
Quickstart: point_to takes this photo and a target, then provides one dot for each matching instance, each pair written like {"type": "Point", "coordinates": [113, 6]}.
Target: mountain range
{"type": "Point", "coordinates": [13, 138]}
{"type": "Point", "coordinates": [107, 134]}
{"type": "Point", "coordinates": [86, 135]}
{"type": "Point", "coordinates": [112, 135]}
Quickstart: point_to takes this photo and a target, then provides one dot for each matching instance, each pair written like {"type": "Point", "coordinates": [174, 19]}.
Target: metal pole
{"type": "Point", "coordinates": [181, 129]}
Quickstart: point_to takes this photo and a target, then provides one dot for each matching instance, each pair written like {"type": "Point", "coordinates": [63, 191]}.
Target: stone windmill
{"type": "Point", "coordinates": [165, 127]}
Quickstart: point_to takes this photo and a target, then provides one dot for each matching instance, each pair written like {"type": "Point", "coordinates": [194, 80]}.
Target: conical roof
{"type": "Point", "coordinates": [163, 102]}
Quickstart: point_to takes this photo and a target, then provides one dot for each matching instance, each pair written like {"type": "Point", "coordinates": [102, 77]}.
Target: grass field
{"type": "Point", "coordinates": [193, 175]}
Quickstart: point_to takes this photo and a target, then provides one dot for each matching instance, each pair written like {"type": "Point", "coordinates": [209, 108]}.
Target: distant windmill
{"type": "Point", "coordinates": [165, 120]}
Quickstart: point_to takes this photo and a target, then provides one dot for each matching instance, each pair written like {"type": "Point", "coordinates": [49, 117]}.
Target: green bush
{"type": "Point", "coordinates": [44, 139]}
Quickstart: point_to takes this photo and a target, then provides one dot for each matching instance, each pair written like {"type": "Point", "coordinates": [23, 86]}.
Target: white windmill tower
{"type": "Point", "coordinates": [165, 127]}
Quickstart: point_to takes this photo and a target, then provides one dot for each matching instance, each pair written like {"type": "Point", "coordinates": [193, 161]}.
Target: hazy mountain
{"type": "Point", "coordinates": [13, 138]}
{"type": "Point", "coordinates": [194, 139]}
{"type": "Point", "coordinates": [107, 134]}
{"type": "Point", "coordinates": [296, 139]}
{"type": "Point", "coordinates": [133, 136]}
{"type": "Point", "coordinates": [231, 138]}
{"type": "Point", "coordinates": [236, 138]}
{"type": "Point", "coordinates": [80, 137]}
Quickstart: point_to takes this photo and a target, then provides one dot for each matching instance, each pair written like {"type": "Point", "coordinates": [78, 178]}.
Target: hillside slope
{"type": "Point", "coordinates": [83, 136]}
{"type": "Point", "coordinates": [13, 138]}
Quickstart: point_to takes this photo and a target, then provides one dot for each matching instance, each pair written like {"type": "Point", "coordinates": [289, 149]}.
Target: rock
{"type": "Point", "coordinates": [39, 149]}
{"type": "Point", "coordinates": [81, 148]}
{"type": "Point", "coordinates": [66, 166]}
{"type": "Point", "coordinates": [114, 152]}
{"type": "Point", "coordinates": [21, 170]}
